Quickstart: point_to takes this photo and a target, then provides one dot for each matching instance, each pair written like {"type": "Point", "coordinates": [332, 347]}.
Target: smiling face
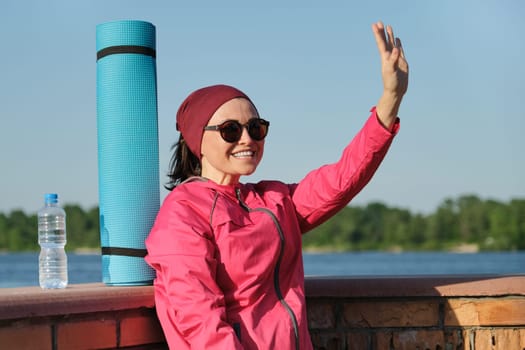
{"type": "Point", "coordinates": [224, 162]}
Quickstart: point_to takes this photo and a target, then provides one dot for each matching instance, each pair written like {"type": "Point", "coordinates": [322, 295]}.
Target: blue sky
{"type": "Point", "coordinates": [312, 69]}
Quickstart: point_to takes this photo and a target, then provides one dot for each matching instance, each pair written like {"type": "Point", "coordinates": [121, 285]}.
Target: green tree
{"type": "Point", "coordinates": [417, 229]}
{"type": "Point", "coordinates": [93, 228]}
{"type": "Point", "coordinates": [3, 232]}
{"type": "Point", "coordinates": [397, 227]}
{"type": "Point", "coordinates": [517, 224]}
{"type": "Point", "coordinates": [490, 224]}
{"type": "Point", "coordinates": [21, 231]}
{"type": "Point", "coordinates": [442, 226]}
{"type": "Point", "coordinates": [500, 227]}
{"type": "Point", "coordinates": [473, 221]}
{"type": "Point", "coordinates": [82, 227]}
{"type": "Point", "coordinates": [369, 227]}
{"type": "Point", "coordinates": [496, 218]}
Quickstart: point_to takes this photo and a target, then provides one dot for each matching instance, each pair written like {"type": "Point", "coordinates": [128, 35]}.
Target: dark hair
{"type": "Point", "coordinates": [183, 164]}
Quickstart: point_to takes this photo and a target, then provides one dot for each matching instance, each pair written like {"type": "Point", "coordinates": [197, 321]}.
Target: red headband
{"type": "Point", "coordinates": [198, 108]}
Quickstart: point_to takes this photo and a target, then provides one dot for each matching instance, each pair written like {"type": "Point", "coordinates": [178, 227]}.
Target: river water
{"type": "Point", "coordinates": [21, 269]}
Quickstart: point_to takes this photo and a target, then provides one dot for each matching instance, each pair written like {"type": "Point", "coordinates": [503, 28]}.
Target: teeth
{"type": "Point", "coordinates": [243, 154]}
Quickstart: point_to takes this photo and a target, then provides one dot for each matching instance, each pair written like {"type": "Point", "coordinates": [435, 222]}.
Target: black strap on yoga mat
{"type": "Point", "coordinates": [111, 50]}
{"type": "Point", "coordinates": [139, 253]}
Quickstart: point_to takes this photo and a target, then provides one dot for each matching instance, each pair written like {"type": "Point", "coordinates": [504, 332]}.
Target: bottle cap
{"type": "Point", "coordinates": [51, 198]}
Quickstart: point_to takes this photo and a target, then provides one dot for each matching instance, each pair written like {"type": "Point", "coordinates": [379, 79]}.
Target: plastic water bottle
{"type": "Point", "coordinates": [52, 239]}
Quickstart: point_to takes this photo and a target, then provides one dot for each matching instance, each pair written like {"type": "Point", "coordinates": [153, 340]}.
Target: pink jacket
{"type": "Point", "coordinates": [229, 259]}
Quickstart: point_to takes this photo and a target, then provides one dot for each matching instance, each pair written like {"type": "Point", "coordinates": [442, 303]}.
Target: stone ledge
{"type": "Point", "coordinates": [506, 311]}
{"type": "Point", "coordinates": [402, 312]}
{"type": "Point", "coordinates": [29, 302]}
{"type": "Point", "coordinates": [416, 286]}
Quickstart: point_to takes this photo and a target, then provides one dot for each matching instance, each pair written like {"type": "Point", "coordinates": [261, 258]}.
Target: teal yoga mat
{"type": "Point", "coordinates": [128, 154]}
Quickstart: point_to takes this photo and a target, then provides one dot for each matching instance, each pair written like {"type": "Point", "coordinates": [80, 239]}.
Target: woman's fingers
{"type": "Point", "coordinates": [387, 43]}
{"type": "Point", "coordinates": [400, 46]}
{"type": "Point", "coordinates": [391, 39]}
{"type": "Point", "coordinates": [379, 34]}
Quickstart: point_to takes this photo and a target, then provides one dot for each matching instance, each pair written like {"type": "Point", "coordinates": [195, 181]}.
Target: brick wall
{"type": "Point", "coordinates": [425, 323]}
{"type": "Point", "coordinates": [432, 312]}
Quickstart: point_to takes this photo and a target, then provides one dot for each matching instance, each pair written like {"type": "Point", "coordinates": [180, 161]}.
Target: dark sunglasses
{"type": "Point", "coordinates": [231, 130]}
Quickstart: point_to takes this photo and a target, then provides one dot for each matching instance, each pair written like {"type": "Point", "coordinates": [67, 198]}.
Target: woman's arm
{"type": "Point", "coordinates": [323, 192]}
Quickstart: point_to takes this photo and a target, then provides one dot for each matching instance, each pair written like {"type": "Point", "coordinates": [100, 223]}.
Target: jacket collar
{"type": "Point", "coordinates": [229, 190]}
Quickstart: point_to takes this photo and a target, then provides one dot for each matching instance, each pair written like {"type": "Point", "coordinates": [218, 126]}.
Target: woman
{"type": "Point", "coordinates": [227, 254]}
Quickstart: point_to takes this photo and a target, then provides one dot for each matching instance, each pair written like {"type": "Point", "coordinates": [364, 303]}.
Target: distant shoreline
{"type": "Point", "coordinates": [87, 251]}
{"type": "Point", "coordinates": [461, 248]}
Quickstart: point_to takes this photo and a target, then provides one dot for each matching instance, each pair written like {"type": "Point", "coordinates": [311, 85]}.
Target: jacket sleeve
{"type": "Point", "coordinates": [325, 191]}
{"type": "Point", "coordinates": [190, 305]}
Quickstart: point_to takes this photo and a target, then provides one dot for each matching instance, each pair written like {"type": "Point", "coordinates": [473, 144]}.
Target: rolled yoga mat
{"type": "Point", "coordinates": [128, 151]}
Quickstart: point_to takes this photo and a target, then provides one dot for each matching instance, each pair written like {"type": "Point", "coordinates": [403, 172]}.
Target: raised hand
{"type": "Point", "coordinates": [394, 71]}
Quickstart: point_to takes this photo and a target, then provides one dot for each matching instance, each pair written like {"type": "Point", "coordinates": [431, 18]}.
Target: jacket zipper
{"type": "Point", "coordinates": [276, 283]}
